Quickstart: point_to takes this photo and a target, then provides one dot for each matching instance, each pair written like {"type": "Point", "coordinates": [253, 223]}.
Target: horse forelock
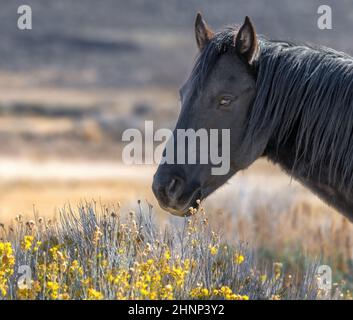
{"type": "Point", "coordinates": [220, 43]}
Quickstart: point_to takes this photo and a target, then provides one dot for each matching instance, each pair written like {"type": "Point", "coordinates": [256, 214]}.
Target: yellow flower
{"type": "Point", "coordinates": [152, 295]}
{"type": "Point", "coordinates": [87, 281]}
{"type": "Point", "coordinates": [213, 250]}
{"type": "Point", "coordinates": [26, 243]}
{"type": "Point", "coordinates": [167, 255]}
{"type": "Point", "coordinates": [228, 294]}
{"type": "Point", "coordinates": [94, 294]}
{"type": "Point", "coordinates": [37, 246]}
{"type": "Point", "coordinates": [54, 252]}
{"type": "Point", "coordinates": [178, 274]}
{"type": "Point", "coordinates": [200, 293]}
{"type": "Point", "coordinates": [7, 262]}
{"type": "Point", "coordinates": [238, 258]}
{"type": "Point", "coordinates": [75, 268]}
{"type": "Point", "coordinates": [53, 289]}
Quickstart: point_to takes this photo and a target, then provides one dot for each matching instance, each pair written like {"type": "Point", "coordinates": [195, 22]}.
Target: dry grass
{"type": "Point", "coordinates": [103, 253]}
{"type": "Point", "coordinates": [302, 230]}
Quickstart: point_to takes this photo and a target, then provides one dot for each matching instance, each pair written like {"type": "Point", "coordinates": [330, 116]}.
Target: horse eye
{"type": "Point", "coordinates": [225, 101]}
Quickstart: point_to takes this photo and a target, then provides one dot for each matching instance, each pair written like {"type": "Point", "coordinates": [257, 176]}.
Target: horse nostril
{"type": "Point", "coordinates": [175, 188]}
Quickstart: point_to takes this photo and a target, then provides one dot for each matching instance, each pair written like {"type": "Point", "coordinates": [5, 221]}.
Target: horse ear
{"type": "Point", "coordinates": [246, 41]}
{"type": "Point", "coordinates": [203, 33]}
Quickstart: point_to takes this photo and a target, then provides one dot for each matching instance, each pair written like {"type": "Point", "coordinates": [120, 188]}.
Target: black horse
{"type": "Point", "coordinates": [289, 102]}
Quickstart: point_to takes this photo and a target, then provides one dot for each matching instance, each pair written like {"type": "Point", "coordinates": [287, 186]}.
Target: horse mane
{"type": "Point", "coordinates": [302, 90]}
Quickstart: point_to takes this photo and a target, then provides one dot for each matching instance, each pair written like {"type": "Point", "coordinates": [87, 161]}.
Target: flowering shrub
{"type": "Point", "coordinates": [109, 255]}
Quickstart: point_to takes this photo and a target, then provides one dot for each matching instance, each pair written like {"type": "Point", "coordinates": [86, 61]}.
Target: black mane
{"type": "Point", "coordinates": [301, 89]}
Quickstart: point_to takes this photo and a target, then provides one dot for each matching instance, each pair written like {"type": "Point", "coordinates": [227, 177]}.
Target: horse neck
{"type": "Point", "coordinates": [316, 180]}
{"type": "Point", "coordinates": [284, 154]}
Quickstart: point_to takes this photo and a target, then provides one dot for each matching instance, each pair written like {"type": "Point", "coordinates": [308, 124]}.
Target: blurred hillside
{"type": "Point", "coordinates": [112, 43]}
{"type": "Point", "coordinates": [88, 70]}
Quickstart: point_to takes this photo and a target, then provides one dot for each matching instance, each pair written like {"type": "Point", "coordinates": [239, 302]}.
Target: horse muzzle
{"type": "Point", "coordinates": [174, 194]}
